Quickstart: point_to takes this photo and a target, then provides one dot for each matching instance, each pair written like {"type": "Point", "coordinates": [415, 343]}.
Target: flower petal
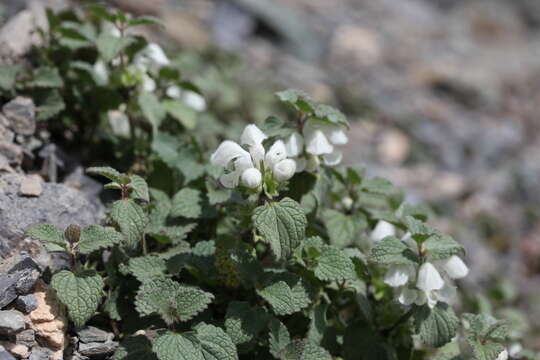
{"type": "Point", "coordinates": [251, 178]}
{"type": "Point", "coordinates": [294, 144]}
{"type": "Point", "coordinates": [398, 275]}
{"type": "Point", "coordinates": [332, 159]}
{"type": "Point", "coordinates": [407, 296]}
{"type": "Point", "coordinates": [226, 152]}
{"type": "Point", "coordinates": [230, 180]}
{"type": "Point", "coordinates": [257, 154]}
{"type": "Point", "coordinates": [447, 294]}
{"type": "Point", "coordinates": [275, 154]}
{"type": "Point", "coordinates": [284, 170]}
{"type": "Point", "coordinates": [252, 136]}
{"type": "Point", "coordinates": [382, 230]}
{"type": "Point", "coordinates": [318, 144]}
{"type": "Point", "coordinates": [194, 100]}
{"type": "Point", "coordinates": [335, 134]}
{"type": "Point", "coordinates": [429, 278]}
{"type": "Point", "coordinates": [455, 267]}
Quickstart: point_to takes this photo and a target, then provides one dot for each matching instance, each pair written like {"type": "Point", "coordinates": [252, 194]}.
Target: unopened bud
{"type": "Point", "coordinates": [251, 178]}
{"type": "Point", "coordinates": [284, 170]}
{"type": "Point", "coordinates": [72, 233]}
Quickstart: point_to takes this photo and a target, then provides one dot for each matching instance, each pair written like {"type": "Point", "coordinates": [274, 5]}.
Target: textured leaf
{"type": "Point", "coordinates": [244, 323]}
{"type": "Point", "coordinates": [392, 251]}
{"type": "Point", "coordinates": [140, 188]}
{"type": "Point", "coordinates": [173, 346]}
{"type": "Point", "coordinates": [282, 225]}
{"type": "Point", "coordinates": [297, 99]}
{"type": "Point", "coordinates": [8, 75]}
{"type": "Point", "coordinates": [287, 294]}
{"type": "Point", "coordinates": [318, 323]}
{"type": "Point", "coordinates": [186, 115]}
{"type": "Point", "coordinates": [109, 173]}
{"type": "Point", "coordinates": [146, 267]}
{"type": "Point", "coordinates": [131, 219]}
{"type": "Point", "coordinates": [144, 20]}
{"type": "Point", "coordinates": [47, 77]}
{"type": "Point", "coordinates": [279, 337]}
{"type": "Point", "coordinates": [109, 46]}
{"type": "Point", "coordinates": [190, 301]}
{"type": "Point", "coordinates": [50, 105]}
{"type": "Point", "coordinates": [330, 114]}
{"type": "Point", "coordinates": [439, 247]}
{"type": "Point", "coordinates": [305, 350]}
{"type": "Point", "coordinates": [152, 109]}
{"type": "Point", "coordinates": [485, 351]}
{"type": "Point", "coordinates": [156, 295]}
{"type": "Point", "coordinates": [342, 229]}
{"type": "Point", "coordinates": [186, 203]}
{"type": "Point", "coordinates": [217, 194]}
{"type": "Point", "coordinates": [47, 233]}
{"type": "Point", "coordinates": [418, 229]}
{"type": "Point", "coordinates": [135, 348]}
{"type": "Point", "coordinates": [334, 265]}
{"type": "Point", "coordinates": [95, 237]}
{"type": "Point", "coordinates": [378, 186]}
{"type": "Point", "coordinates": [215, 343]}
{"type": "Point", "coordinates": [436, 326]}
{"type": "Point", "coordinates": [80, 292]}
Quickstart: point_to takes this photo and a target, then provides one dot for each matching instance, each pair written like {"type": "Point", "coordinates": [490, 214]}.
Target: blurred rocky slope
{"type": "Point", "coordinates": [441, 94]}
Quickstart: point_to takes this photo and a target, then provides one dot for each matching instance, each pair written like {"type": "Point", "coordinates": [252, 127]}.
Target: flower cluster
{"type": "Point", "coordinates": [249, 167]}
{"type": "Point", "coordinates": [429, 283]}
{"type": "Point", "coordinates": [317, 142]}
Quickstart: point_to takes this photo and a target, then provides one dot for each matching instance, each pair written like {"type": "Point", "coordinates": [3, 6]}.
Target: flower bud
{"type": "Point", "coordinates": [72, 233]}
{"type": "Point", "coordinates": [347, 202]}
{"type": "Point", "coordinates": [251, 178]}
{"type": "Point", "coordinates": [455, 267]}
{"type": "Point", "coordinates": [284, 170]}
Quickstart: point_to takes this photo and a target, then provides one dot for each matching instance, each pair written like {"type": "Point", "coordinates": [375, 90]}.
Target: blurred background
{"type": "Point", "coordinates": [442, 96]}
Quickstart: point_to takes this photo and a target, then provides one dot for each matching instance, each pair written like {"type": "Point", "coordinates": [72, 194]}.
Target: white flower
{"type": "Point", "coordinates": [101, 73]}
{"type": "Point", "coordinates": [429, 278]}
{"type": "Point", "coordinates": [347, 202]}
{"type": "Point", "coordinates": [247, 166]}
{"type": "Point", "coordinates": [503, 355]}
{"type": "Point", "coordinates": [252, 178]}
{"type": "Point", "coordinates": [382, 230]}
{"type": "Point", "coordinates": [174, 92]}
{"type": "Point", "coordinates": [399, 275]}
{"type": "Point", "coordinates": [320, 139]}
{"type": "Point", "coordinates": [119, 122]}
{"type": "Point", "coordinates": [190, 98]}
{"type": "Point", "coordinates": [294, 144]}
{"type": "Point", "coordinates": [514, 349]}
{"type": "Point", "coordinates": [151, 57]}
{"type": "Point", "coordinates": [284, 170]}
{"type": "Point", "coordinates": [407, 296]}
{"type": "Point", "coordinates": [148, 84]}
{"type": "Point", "coordinates": [455, 267]}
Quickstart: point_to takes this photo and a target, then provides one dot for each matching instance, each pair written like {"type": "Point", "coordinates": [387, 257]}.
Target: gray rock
{"type": "Point", "coordinates": [39, 353]}
{"type": "Point", "coordinates": [59, 205]}
{"type": "Point", "coordinates": [4, 355]}
{"type": "Point", "coordinates": [7, 290]}
{"type": "Point", "coordinates": [12, 152]}
{"type": "Point", "coordinates": [21, 114]}
{"type": "Point", "coordinates": [11, 322]}
{"type": "Point", "coordinates": [26, 338]}
{"type": "Point", "coordinates": [18, 276]}
{"type": "Point", "coordinates": [97, 349]}
{"type": "Point", "coordinates": [92, 334]}
{"type": "Point", "coordinates": [26, 303]}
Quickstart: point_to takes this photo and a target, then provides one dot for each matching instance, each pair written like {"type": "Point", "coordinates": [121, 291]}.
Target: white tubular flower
{"type": "Point", "coordinates": [332, 159]}
{"type": "Point", "coordinates": [252, 136]}
{"type": "Point", "coordinates": [447, 294]}
{"type": "Point", "coordinates": [152, 56]}
{"type": "Point", "coordinates": [321, 139]}
{"type": "Point", "coordinates": [407, 296]}
{"type": "Point", "coordinates": [382, 230]}
{"type": "Point", "coordinates": [429, 278]}
{"type": "Point", "coordinates": [317, 144]}
{"type": "Point", "coordinates": [148, 84]}
{"type": "Point", "coordinates": [251, 178]}
{"type": "Point", "coordinates": [455, 267]}
{"type": "Point", "coordinates": [503, 355]}
{"type": "Point", "coordinates": [227, 153]}
{"type": "Point", "coordinates": [284, 170]}
{"type": "Point", "coordinates": [101, 73]}
{"type": "Point", "coordinates": [398, 275]}
{"type": "Point", "coordinates": [194, 100]}
{"type": "Point", "coordinates": [174, 92]}
{"type": "Point", "coordinates": [277, 153]}
{"type": "Point", "coordinates": [294, 144]}
{"type": "Point", "coordinates": [514, 349]}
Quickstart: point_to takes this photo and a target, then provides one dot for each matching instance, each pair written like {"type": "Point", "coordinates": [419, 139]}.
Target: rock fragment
{"type": "Point", "coordinates": [11, 322]}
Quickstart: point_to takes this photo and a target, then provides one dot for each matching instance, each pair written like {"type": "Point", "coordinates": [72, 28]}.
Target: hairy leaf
{"type": "Point", "coordinates": [131, 219]}
{"type": "Point", "coordinates": [147, 267]}
{"type": "Point", "coordinates": [174, 346]}
{"type": "Point", "coordinates": [334, 265]}
{"type": "Point", "coordinates": [436, 326]}
{"type": "Point", "coordinates": [392, 251]}
{"type": "Point", "coordinates": [215, 343]}
{"type": "Point", "coordinates": [244, 323]}
{"type": "Point", "coordinates": [186, 203]}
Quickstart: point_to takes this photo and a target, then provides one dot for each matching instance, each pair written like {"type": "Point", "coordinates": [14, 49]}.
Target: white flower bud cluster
{"type": "Point", "coordinates": [316, 143]}
{"type": "Point", "coordinates": [247, 167]}
{"type": "Point", "coordinates": [429, 283]}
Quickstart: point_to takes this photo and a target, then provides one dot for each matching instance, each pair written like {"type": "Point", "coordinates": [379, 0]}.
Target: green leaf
{"type": "Point", "coordinates": [50, 105]}
{"type": "Point", "coordinates": [109, 46]}
{"type": "Point", "coordinates": [173, 346]}
{"type": "Point", "coordinates": [81, 293]}
{"type": "Point", "coordinates": [152, 109]}
{"type": "Point", "coordinates": [286, 294]}
{"type": "Point", "coordinates": [305, 350]}
{"type": "Point", "coordinates": [109, 173]}
{"type": "Point", "coordinates": [392, 251]}
{"type": "Point", "coordinates": [243, 323]}
{"type": "Point", "coordinates": [95, 237]}
{"type": "Point", "coordinates": [318, 324]}
{"type": "Point", "coordinates": [144, 20]}
{"type": "Point", "coordinates": [215, 343]}
{"type": "Point", "coordinates": [131, 219]}
{"type": "Point", "coordinates": [190, 301]}
{"type": "Point", "coordinates": [147, 267]}
{"type": "Point", "coordinates": [436, 326]}
{"type": "Point", "coordinates": [279, 338]}
{"type": "Point", "coordinates": [47, 77]}
{"type": "Point", "coordinates": [217, 194]}
{"type": "Point", "coordinates": [282, 225]}
{"type": "Point", "coordinates": [378, 186]}
{"type": "Point", "coordinates": [342, 229]}
{"type": "Point", "coordinates": [47, 233]}
{"type": "Point", "coordinates": [297, 99]}
{"type": "Point", "coordinates": [8, 75]}
{"type": "Point", "coordinates": [186, 115]}
{"type": "Point", "coordinates": [363, 342]}
{"type": "Point", "coordinates": [440, 247]}
{"type": "Point", "coordinates": [331, 115]}
{"type": "Point", "coordinates": [334, 265]}
{"type": "Point", "coordinates": [186, 203]}
{"type": "Point", "coordinates": [418, 229]}
{"type": "Point", "coordinates": [156, 295]}
{"type": "Point", "coordinates": [140, 188]}
{"type": "Point", "coordinates": [135, 348]}
{"type": "Point", "coordinates": [486, 351]}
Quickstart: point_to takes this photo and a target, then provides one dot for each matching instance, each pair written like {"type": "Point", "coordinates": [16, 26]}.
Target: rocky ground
{"type": "Point", "coordinates": [441, 94]}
